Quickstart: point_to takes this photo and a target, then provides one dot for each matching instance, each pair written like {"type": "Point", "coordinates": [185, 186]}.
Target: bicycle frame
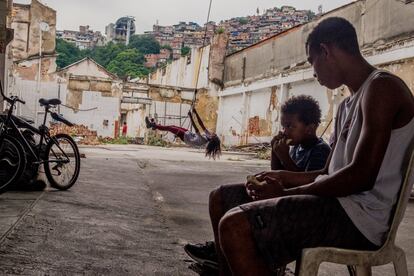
{"type": "Point", "coordinates": [13, 124]}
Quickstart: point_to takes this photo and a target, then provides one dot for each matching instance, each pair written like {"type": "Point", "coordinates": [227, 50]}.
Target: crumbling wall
{"type": "Point", "coordinates": [87, 67]}
{"type": "Point", "coordinates": [404, 69]}
{"type": "Point", "coordinates": [78, 84]}
{"type": "Point", "coordinates": [207, 109]}
{"type": "Point", "coordinates": [25, 48]}
{"type": "Point", "coordinates": [26, 24]}
{"type": "Point", "coordinates": [280, 62]}
{"type": "Point", "coordinates": [41, 13]}
{"type": "Point", "coordinates": [216, 58]}
{"type": "Point", "coordinates": [377, 23]}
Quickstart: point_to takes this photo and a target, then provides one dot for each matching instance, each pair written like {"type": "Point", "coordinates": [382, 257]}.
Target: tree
{"type": "Point", "coordinates": [185, 50]}
{"type": "Point", "coordinates": [128, 63]}
{"type": "Point", "coordinates": [145, 44]}
{"type": "Point", "coordinates": [105, 54]}
{"type": "Point", "coordinates": [68, 53]}
{"type": "Point", "coordinates": [166, 46]}
{"type": "Point", "coordinates": [311, 15]}
{"type": "Point", "coordinates": [243, 20]}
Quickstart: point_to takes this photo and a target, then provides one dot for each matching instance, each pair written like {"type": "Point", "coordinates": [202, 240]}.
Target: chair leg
{"type": "Point", "coordinates": [400, 263]}
{"type": "Point", "coordinates": [363, 271]}
{"type": "Point", "coordinates": [351, 270]}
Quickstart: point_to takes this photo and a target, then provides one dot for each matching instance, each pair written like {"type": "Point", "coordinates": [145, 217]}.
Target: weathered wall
{"type": "Point", "coordinates": [87, 75]}
{"type": "Point", "coordinates": [29, 40]}
{"type": "Point", "coordinates": [377, 23]}
{"type": "Point", "coordinates": [5, 15]}
{"type": "Point", "coordinates": [278, 64]}
{"type": "Point", "coordinates": [26, 23]}
{"type": "Point", "coordinates": [94, 110]}
{"type": "Point", "coordinates": [87, 67]}
{"type": "Point", "coordinates": [135, 121]}
{"type": "Point", "coordinates": [217, 56]}
{"type": "Point", "coordinates": [183, 72]}
{"type": "Point", "coordinates": [404, 69]}
{"type": "Point", "coordinates": [172, 88]}
{"type": "Point", "coordinates": [100, 113]}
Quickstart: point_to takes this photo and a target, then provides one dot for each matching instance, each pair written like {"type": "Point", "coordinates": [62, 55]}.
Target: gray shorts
{"type": "Point", "coordinates": [282, 227]}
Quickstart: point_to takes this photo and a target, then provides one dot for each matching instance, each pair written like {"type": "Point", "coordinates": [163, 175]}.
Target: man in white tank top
{"type": "Point", "coordinates": [356, 191]}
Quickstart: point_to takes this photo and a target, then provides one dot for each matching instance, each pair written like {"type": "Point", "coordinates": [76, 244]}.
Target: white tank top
{"type": "Point", "coordinates": [370, 211]}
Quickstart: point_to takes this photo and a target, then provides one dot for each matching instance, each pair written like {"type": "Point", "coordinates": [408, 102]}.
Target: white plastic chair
{"type": "Point", "coordinates": [362, 261]}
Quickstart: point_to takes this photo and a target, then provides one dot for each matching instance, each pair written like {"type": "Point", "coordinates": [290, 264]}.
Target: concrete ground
{"type": "Point", "coordinates": [130, 213]}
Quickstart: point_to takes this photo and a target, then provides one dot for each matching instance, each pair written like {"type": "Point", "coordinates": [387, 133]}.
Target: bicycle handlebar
{"type": "Point", "coordinates": [20, 101]}
{"type": "Point", "coordinates": [12, 99]}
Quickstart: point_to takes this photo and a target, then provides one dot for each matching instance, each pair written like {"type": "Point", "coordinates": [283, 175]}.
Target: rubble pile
{"type": "Point", "coordinates": [80, 133]}
{"type": "Point", "coordinates": [262, 150]}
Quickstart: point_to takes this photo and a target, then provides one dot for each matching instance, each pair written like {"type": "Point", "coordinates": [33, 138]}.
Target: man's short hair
{"type": "Point", "coordinates": [334, 30]}
{"type": "Point", "coordinates": [306, 107]}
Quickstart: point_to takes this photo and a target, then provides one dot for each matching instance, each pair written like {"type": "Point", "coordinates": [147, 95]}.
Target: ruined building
{"type": "Point", "coordinates": [122, 30]}
{"type": "Point", "coordinates": [32, 53]}
{"type": "Point", "coordinates": [250, 85]}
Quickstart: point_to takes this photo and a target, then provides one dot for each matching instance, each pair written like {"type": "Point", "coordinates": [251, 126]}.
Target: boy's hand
{"type": "Point", "coordinates": [277, 138]}
{"type": "Point", "coordinates": [281, 149]}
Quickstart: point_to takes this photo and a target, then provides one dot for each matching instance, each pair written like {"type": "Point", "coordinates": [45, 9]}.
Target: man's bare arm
{"type": "Point", "coordinates": [291, 179]}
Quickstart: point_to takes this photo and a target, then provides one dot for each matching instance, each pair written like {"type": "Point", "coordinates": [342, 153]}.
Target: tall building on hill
{"type": "Point", "coordinates": [122, 30]}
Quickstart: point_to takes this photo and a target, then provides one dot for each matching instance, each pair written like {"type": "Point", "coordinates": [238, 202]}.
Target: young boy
{"type": "Point", "coordinates": [300, 119]}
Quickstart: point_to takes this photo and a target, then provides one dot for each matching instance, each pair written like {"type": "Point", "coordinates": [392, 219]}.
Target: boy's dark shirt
{"type": "Point", "coordinates": [311, 157]}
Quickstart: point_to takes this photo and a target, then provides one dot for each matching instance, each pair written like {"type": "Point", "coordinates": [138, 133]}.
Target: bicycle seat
{"type": "Point", "coordinates": [44, 102]}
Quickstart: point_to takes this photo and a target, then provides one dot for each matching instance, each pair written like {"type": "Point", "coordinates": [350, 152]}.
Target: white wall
{"type": "Point", "coordinates": [102, 108]}
{"type": "Point", "coordinates": [87, 68]}
{"type": "Point", "coordinates": [230, 118]}
{"type": "Point", "coordinates": [182, 73]}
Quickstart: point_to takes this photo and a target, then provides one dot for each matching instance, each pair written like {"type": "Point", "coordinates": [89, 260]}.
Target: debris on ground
{"type": "Point", "coordinates": [80, 133]}
{"type": "Point", "coordinates": [262, 150]}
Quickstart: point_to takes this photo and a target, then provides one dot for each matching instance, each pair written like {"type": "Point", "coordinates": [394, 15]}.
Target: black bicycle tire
{"type": "Point", "coordinates": [22, 162]}
{"type": "Point", "coordinates": [48, 172]}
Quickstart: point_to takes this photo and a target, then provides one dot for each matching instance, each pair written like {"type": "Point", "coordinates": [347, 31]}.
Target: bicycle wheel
{"type": "Point", "coordinates": [12, 161]}
{"type": "Point", "coordinates": [62, 162]}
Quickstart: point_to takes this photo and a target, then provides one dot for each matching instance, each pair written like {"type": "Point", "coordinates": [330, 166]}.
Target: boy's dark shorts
{"type": "Point", "coordinates": [282, 227]}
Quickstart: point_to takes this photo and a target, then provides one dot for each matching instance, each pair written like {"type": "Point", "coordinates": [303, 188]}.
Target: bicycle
{"type": "Point", "coordinates": [19, 149]}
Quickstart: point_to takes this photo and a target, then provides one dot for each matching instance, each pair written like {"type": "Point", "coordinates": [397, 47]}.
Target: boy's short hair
{"type": "Point", "coordinates": [334, 30]}
{"type": "Point", "coordinates": [306, 107]}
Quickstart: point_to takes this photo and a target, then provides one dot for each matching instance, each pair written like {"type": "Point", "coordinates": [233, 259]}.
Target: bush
{"type": "Point", "coordinates": [156, 140]}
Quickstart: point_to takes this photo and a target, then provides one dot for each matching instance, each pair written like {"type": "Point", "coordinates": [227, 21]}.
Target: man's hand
{"type": "Point", "coordinates": [281, 176]}
{"type": "Point", "coordinates": [271, 188]}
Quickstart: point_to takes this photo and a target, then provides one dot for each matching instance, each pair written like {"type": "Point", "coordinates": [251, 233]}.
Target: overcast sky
{"type": "Point", "coordinates": [99, 13]}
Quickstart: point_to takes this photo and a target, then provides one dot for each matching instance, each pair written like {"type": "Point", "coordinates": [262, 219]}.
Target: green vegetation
{"type": "Point", "coordinates": [185, 50]}
{"type": "Point", "coordinates": [128, 63]}
{"type": "Point", "coordinates": [124, 61]}
{"type": "Point", "coordinates": [156, 140]}
{"type": "Point", "coordinates": [243, 20]}
{"type": "Point", "coordinates": [220, 30]}
{"type": "Point", "coordinates": [146, 44]}
{"type": "Point", "coordinates": [68, 53]}
{"type": "Point", "coordinates": [166, 46]}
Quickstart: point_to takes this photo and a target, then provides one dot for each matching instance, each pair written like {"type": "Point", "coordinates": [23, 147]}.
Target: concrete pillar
{"type": "Point", "coordinates": [4, 10]}
{"type": "Point", "coordinates": [284, 96]}
{"type": "Point", "coordinates": [245, 117]}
